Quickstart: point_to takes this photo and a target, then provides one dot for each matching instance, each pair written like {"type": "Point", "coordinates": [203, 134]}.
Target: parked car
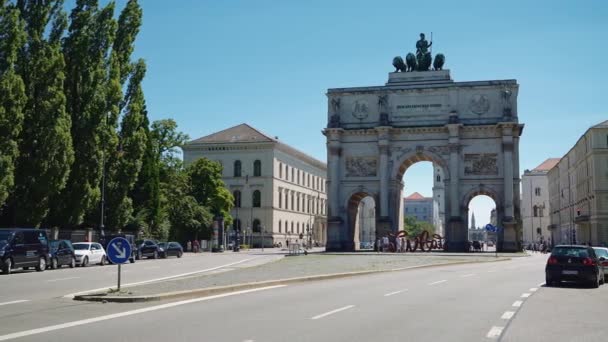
{"type": "Point", "coordinates": [172, 248]}
{"type": "Point", "coordinates": [602, 255]}
{"type": "Point", "coordinates": [131, 238]}
{"type": "Point", "coordinates": [147, 248]}
{"type": "Point", "coordinates": [23, 248]}
{"type": "Point", "coordinates": [61, 253]}
{"type": "Point", "coordinates": [89, 253]}
{"type": "Point", "coordinates": [574, 263]}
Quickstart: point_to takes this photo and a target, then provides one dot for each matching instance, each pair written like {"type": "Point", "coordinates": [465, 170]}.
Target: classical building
{"type": "Point", "coordinates": [279, 191]}
{"type": "Point", "coordinates": [535, 206]}
{"type": "Point", "coordinates": [469, 130]}
{"type": "Point", "coordinates": [578, 191]}
{"type": "Point", "coordinates": [420, 207]}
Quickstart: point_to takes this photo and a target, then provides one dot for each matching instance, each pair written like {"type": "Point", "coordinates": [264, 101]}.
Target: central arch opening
{"type": "Point", "coordinates": [362, 220]}
{"type": "Point", "coordinates": [481, 211]}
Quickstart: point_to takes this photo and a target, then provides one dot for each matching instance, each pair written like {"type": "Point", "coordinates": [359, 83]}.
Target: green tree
{"type": "Point", "coordinates": [414, 227]}
{"type": "Point", "coordinates": [12, 95]}
{"type": "Point", "coordinates": [46, 152]}
{"type": "Point", "coordinates": [86, 50]}
{"type": "Point", "coordinates": [125, 163]}
{"type": "Point", "coordinates": [208, 187]}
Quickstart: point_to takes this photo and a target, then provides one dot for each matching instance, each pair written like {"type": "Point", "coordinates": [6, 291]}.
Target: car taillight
{"type": "Point", "coordinates": [588, 262]}
{"type": "Point", "coordinates": [552, 261]}
{"type": "Point", "coordinates": [605, 263]}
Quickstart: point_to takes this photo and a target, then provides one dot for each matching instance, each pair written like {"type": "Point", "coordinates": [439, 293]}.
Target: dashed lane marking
{"type": "Point", "coordinates": [517, 303]}
{"type": "Point", "coordinates": [467, 275]}
{"type": "Point", "coordinates": [394, 293]}
{"type": "Point", "coordinates": [61, 279]}
{"type": "Point", "coordinates": [495, 332]}
{"type": "Point", "coordinates": [126, 313]}
{"type": "Point", "coordinates": [525, 295]}
{"type": "Point", "coordinates": [437, 282]}
{"type": "Point", "coordinates": [333, 312]}
{"type": "Point", "coordinates": [533, 289]}
{"type": "Point", "coordinates": [15, 302]}
{"type": "Point", "coordinates": [508, 315]}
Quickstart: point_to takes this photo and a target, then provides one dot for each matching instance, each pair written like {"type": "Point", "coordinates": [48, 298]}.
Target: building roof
{"type": "Point", "coordinates": [245, 134]}
{"type": "Point", "coordinates": [547, 164]}
{"type": "Point", "coordinates": [415, 196]}
{"type": "Point", "coordinates": [601, 125]}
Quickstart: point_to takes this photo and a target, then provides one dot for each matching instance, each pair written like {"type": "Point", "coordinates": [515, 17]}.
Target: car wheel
{"type": "Point", "coordinates": [54, 263]}
{"type": "Point", "coordinates": [41, 265]}
{"type": "Point", "coordinates": [179, 254]}
{"type": "Point", "coordinates": [595, 283]}
{"type": "Point", "coordinates": [85, 261]}
{"type": "Point", "coordinates": [7, 266]}
{"type": "Point", "coordinates": [73, 262]}
{"type": "Point", "coordinates": [103, 261]}
{"type": "Point", "coordinates": [155, 255]}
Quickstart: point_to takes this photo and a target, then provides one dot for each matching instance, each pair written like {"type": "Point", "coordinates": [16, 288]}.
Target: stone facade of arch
{"type": "Point", "coordinates": [470, 130]}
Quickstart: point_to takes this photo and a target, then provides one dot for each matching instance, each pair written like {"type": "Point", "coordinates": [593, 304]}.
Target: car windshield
{"type": "Point", "coordinates": [81, 246]}
{"type": "Point", "coordinates": [600, 252]}
{"type": "Point", "coordinates": [5, 237]}
{"type": "Point", "coordinates": [570, 252]}
{"type": "Point", "coordinates": [162, 244]}
{"type": "Point", "coordinates": [54, 244]}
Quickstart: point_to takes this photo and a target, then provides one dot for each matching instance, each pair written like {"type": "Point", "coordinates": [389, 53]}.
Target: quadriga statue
{"type": "Point", "coordinates": [398, 64]}
{"type": "Point", "coordinates": [412, 64]}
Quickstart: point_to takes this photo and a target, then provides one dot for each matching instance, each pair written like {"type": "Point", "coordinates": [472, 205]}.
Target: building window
{"type": "Point", "coordinates": [237, 168]}
{"type": "Point", "coordinates": [298, 177]}
{"type": "Point", "coordinates": [280, 198]}
{"type": "Point", "coordinates": [537, 191]}
{"type": "Point", "coordinates": [237, 198]}
{"type": "Point", "coordinates": [257, 199]}
{"type": "Point", "coordinates": [292, 201]}
{"type": "Point", "coordinates": [298, 203]}
{"type": "Point", "coordinates": [280, 170]}
{"type": "Point", "coordinates": [286, 172]}
{"type": "Point", "coordinates": [257, 168]}
{"type": "Point", "coordinates": [257, 226]}
{"type": "Point", "coordinates": [293, 175]}
{"type": "Point", "coordinates": [438, 178]}
{"type": "Point", "coordinates": [298, 231]}
{"type": "Point", "coordinates": [279, 226]}
{"type": "Point", "coordinates": [535, 208]}
{"type": "Point", "coordinates": [292, 226]}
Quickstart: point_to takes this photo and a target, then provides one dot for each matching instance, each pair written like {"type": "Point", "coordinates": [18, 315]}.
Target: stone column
{"type": "Point", "coordinates": [456, 232]}
{"type": "Point", "coordinates": [336, 231]}
{"type": "Point", "coordinates": [509, 232]}
{"type": "Point", "coordinates": [384, 172]}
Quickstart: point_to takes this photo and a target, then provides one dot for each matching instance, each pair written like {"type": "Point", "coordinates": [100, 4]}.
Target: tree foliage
{"type": "Point", "coordinates": [413, 227]}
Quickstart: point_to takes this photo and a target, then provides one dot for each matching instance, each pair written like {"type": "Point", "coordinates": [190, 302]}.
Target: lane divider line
{"type": "Point", "coordinates": [467, 275]}
{"type": "Point", "coordinates": [394, 293]}
{"type": "Point", "coordinates": [525, 295]}
{"type": "Point", "coordinates": [437, 282]}
{"type": "Point", "coordinates": [61, 279]}
{"type": "Point", "coordinates": [72, 295]}
{"type": "Point", "coordinates": [517, 303]}
{"type": "Point", "coordinates": [508, 315]}
{"type": "Point", "coordinates": [331, 312]}
{"type": "Point", "coordinates": [15, 302]}
{"type": "Point", "coordinates": [495, 332]}
{"type": "Point", "coordinates": [127, 313]}
{"type": "Point", "coordinates": [533, 289]}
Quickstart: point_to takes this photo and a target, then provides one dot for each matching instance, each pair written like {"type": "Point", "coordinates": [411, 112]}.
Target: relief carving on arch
{"type": "Point", "coordinates": [361, 166]}
{"type": "Point", "coordinates": [481, 164]}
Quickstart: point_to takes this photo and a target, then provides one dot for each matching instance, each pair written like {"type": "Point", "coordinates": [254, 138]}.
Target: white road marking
{"type": "Point", "coordinates": [491, 271]}
{"type": "Point", "coordinates": [533, 289]}
{"type": "Point", "coordinates": [61, 279]}
{"type": "Point", "coordinates": [525, 295]}
{"type": "Point", "coordinates": [394, 293]}
{"type": "Point", "coordinates": [495, 332]}
{"type": "Point", "coordinates": [151, 268]}
{"type": "Point", "coordinates": [437, 282]}
{"type": "Point", "coordinates": [126, 313]}
{"type": "Point", "coordinates": [15, 302]}
{"type": "Point", "coordinates": [467, 275]}
{"type": "Point", "coordinates": [508, 315]}
{"type": "Point", "coordinates": [71, 295]}
{"type": "Point", "coordinates": [331, 312]}
{"type": "Point", "coordinates": [517, 303]}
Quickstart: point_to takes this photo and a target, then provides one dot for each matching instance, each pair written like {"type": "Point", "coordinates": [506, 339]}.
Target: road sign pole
{"type": "Point", "coordinates": [119, 276]}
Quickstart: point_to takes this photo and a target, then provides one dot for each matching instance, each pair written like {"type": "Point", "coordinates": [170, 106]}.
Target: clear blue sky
{"type": "Point", "coordinates": [214, 64]}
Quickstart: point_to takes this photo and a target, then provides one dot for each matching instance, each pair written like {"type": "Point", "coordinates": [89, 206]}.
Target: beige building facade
{"type": "Point", "coordinates": [279, 191]}
{"type": "Point", "coordinates": [535, 206]}
{"type": "Point", "coordinates": [578, 191]}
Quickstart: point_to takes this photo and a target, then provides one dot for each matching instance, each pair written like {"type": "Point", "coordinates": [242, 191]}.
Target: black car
{"type": "Point", "coordinates": [61, 253]}
{"type": "Point", "coordinates": [147, 248]}
{"type": "Point", "coordinates": [574, 263]}
{"type": "Point", "coordinates": [131, 238]}
{"type": "Point", "coordinates": [23, 248]}
{"type": "Point", "coordinates": [167, 249]}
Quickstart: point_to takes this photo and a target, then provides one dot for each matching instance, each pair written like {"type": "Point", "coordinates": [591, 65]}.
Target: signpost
{"type": "Point", "coordinates": [492, 228]}
{"type": "Point", "coordinates": [119, 252]}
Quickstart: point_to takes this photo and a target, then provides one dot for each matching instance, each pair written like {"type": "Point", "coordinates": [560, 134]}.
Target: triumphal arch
{"type": "Point", "coordinates": [469, 130]}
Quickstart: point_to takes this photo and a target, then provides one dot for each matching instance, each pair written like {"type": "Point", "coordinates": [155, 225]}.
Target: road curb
{"type": "Point", "coordinates": [105, 298]}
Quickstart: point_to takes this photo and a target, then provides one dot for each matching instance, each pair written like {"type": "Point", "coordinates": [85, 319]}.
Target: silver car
{"type": "Point", "coordinates": [602, 255]}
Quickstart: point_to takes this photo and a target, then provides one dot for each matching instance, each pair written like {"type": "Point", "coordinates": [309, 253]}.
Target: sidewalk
{"type": "Point", "coordinates": [303, 267]}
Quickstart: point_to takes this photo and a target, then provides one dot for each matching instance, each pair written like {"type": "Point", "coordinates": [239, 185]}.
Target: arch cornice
{"type": "Point", "coordinates": [481, 189]}
{"type": "Point", "coordinates": [408, 156]}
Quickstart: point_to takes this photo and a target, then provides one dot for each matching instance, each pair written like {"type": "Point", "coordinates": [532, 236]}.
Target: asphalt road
{"type": "Point", "coordinates": [474, 302]}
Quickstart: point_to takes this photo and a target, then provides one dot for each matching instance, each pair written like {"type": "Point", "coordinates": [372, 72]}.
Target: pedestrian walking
{"type": "Point", "coordinates": [189, 246]}
{"type": "Point", "coordinates": [196, 246]}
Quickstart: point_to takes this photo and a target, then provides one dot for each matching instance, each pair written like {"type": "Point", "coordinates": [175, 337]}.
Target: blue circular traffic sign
{"type": "Point", "coordinates": [119, 250]}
